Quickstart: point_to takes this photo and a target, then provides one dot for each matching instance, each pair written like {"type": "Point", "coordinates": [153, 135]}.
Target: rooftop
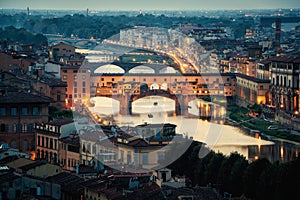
{"type": "Point", "coordinates": [69, 182]}
{"type": "Point", "coordinates": [32, 165]}
{"type": "Point", "coordinates": [61, 122]}
{"type": "Point", "coordinates": [250, 78]}
{"type": "Point", "coordinates": [23, 97]}
{"type": "Point", "coordinates": [286, 59]}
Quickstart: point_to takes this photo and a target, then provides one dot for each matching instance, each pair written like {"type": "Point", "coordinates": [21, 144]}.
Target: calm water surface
{"type": "Point", "coordinates": [220, 138]}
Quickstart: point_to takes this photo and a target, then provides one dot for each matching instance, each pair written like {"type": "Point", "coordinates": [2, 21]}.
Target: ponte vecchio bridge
{"type": "Point", "coordinates": [127, 88]}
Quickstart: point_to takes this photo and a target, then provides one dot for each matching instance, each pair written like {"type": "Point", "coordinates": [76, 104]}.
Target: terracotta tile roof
{"type": "Point", "coordinates": [7, 177]}
{"type": "Point", "coordinates": [287, 59]}
{"type": "Point", "coordinates": [61, 122]}
{"type": "Point", "coordinates": [265, 62]}
{"type": "Point", "coordinates": [53, 82]}
{"type": "Point", "coordinates": [138, 143]}
{"type": "Point", "coordinates": [84, 169]}
{"type": "Point", "coordinates": [70, 140]}
{"type": "Point", "coordinates": [69, 182]}
{"type": "Point", "coordinates": [92, 135]}
{"type": "Point", "coordinates": [32, 165]}
{"type": "Point", "coordinates": [8, 159]}
{"type": "Point", "coordinates": [22, 97]}
{"type": "Point", "coordinates": [256, 80]}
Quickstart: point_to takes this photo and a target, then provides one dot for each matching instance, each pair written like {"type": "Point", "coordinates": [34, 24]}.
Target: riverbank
{"type": "Point", "coordinates": [239, 116]}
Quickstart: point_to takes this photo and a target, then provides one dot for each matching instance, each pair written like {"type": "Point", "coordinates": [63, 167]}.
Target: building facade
{"type": "Point", "coordinates": [18, 113]}
{"type": "Point", "coordinates": [285, 83]}
{"type": "Point", "coordinates": [250, 90]}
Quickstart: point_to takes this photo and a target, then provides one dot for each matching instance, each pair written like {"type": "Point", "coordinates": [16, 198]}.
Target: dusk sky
{"type": "Point", "coordinates": [149, 4]}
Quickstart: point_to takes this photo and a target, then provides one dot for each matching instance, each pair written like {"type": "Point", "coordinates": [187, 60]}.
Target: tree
{"type": "Point", "coordinates": [236, 176]}
{"type": "Point", "coordinates": [252, 177]}
{"type": "Point", "coordinates": [225, 171]}
{"type": "Point", "coordinates": [211, 174]}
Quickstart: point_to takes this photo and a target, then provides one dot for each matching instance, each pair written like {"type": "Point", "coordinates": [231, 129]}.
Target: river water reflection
{"type": "Point", "coordinates": [218, 137]}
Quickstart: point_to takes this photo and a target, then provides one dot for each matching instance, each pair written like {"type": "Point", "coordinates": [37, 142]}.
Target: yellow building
{"type": "Point", "coordinates": [251, 90]}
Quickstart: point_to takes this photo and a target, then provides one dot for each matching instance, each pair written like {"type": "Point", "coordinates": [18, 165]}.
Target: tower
{"type": "Point", "coordinates": [277, 34]}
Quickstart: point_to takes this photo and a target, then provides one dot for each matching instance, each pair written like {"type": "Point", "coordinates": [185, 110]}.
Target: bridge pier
{"type": "Point", "coordinates": [183, 101]}
{"type": "Point", "coordinates": [125, 104]}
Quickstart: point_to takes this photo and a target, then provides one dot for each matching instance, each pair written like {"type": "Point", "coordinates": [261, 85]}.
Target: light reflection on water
{"type": "Point", "coordinates": [220, 138]}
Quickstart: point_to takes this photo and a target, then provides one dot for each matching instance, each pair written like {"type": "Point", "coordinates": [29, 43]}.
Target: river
{"type": "Point", "coordinates": [218, 137]}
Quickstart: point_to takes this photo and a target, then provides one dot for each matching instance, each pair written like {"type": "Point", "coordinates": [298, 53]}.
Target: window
{"type": "Point", "coordinates": [75, 84]}
{"type": "Point", "coordinates": [24, 111]}
{"type": "Point", "coordinates": [3, 128]}
{"type": "Point", "coordinates": [2, 111]}
{"type": "Point", "coordinates": [13, 128]}
{"type": "Point", "coordinates": [30, 127]}
{"type": "Point", "coordinates": [51, 144]}
{"type": "Point", "coordinates": [161, 156]}
{"type": "Point", "coordinates": [43, 142]}
{"type": "Point", "coordinates": [64, 71]}
{"type": "Point", "coordinates": [145, 158]}
{"type": "Point", "coordinates": [19, 128]}
{"type": "Point", "coordinates": [75, 90]}
{"type": "Point", "coordinates": [83, 71]}
{"type": "Point", "coordinates": [83, 84]}
{"type": "Point", "coordinates": [75, 71]}
{"type": "Point", "coordinates": [58, 96]}
{"type": "Point", "coordinates": [261, 87]}
{"type": "Point", "coordinates": [39, 141]}
{"type": "Point", "coordinates": [83, 90]}
{"type": "Point", "coordinates": [13, 111]}
{"type": "Point", "coordinates": [94, 149]}
{"type": "Point", "coordinates": [35, 111]}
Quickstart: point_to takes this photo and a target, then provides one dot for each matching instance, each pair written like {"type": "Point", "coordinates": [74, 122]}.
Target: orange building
{"type": "Point", "coordinates": [18, 113]}
{"type": "Point", "coordinates": [58, 143]}
{"type": "Point", "coordinates": [8, 62]}
{"type": "Point", "coordinates": [69, 151]}
{"type": "Point", "coordinates": [78, 84]}
{"type": "Point", "coordinates": [251, 90]}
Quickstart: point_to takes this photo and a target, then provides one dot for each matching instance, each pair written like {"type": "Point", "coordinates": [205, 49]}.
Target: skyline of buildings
{"type": "Point", "coordinates": [256, 70]}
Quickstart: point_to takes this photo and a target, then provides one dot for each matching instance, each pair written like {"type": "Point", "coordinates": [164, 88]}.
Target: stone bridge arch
{"type": "Point", "coordinates": [156, 92]}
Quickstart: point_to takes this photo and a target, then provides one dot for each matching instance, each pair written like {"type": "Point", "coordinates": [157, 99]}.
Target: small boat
{"type": "Point", "coordinates": [273, 127]}
{"type": "Point", "coordinates": [150, 115]}
{"type": "Point", "coordinates": [155, 103]}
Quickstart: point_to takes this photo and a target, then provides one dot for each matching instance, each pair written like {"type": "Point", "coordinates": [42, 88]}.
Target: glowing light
{"type": "Point", "coordinates": [281, 152]}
